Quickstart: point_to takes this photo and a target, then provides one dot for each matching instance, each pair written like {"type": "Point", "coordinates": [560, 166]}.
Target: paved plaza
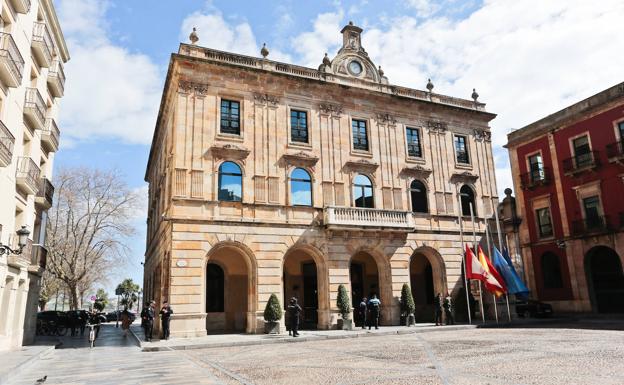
{"type": "Point", "coordinates": [586, 352]}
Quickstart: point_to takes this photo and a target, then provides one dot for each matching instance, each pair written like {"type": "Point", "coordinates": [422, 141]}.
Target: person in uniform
{"type": "Point", "coordinates": [293, 313]}
{"type": "Point", "coordinates": [448, 309]}
{"type": "Point", "coordinates": [437, 303]}
{"type": "Point", "coordinates": [363, 310]}
{"type": "Point", "coordinates": [165, 318]}
{"type": "Point", "coordinates": [374, 305]}
{"type": "Point", "coordinates": [147, 318]}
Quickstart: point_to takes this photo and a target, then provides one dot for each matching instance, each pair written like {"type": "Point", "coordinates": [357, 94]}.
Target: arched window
{"type": "Point", "coordinates": [300, 188]}
{"type": "Point", "coordinates": [418, 193]}
{"type": "Point", "coordinates": [363, 192]}
{"type": "Point", "coordinates": [230, 182]}
{"type": "Point", "coordinates": [467, 198]}
{"type": "Point", "coordinates": [215, 288]}
{"type": "Point", "coordinates": [551, 271]}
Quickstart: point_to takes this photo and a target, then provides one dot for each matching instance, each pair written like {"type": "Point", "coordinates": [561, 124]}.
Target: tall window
{"type": "Point", "coordinates": [413, 142]}
{"type": "Point", "coordinates": [299, 126]}
{"type": "Point", "coordinates": [536, 167]}
{"type": "Point", "coordinates": [582, 152]}
{"type": "Point", "coordinates": [418, 194]}
{"type": "Point", "coordinates": [360, 135]}
{"type": "Point", "coordinates": [215, 285]}
{"type": "Point", "coordinates": [551, 271]}
{"type": "Point", "coordinates": [230, 182]}
{"type": "Point", "coordinates": [363, 192]}
{"type": "Point", "coordinates": [461, 150]}
{"type": "Point", "coordinates": [621, 131]}
{"type": "Point", "coordinates": [300, 188]}
{"type": "Point", "coordinates": [230, 117]}
{"type": "Point", "coordinates": [544, 222]}
{"type": "Point", "coordinates": [591, 206]}
{"type": "Point", "coordinates": [467, 199]}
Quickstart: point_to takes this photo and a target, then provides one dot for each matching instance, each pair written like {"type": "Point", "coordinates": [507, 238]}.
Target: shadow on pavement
{"type": "Point", "coordinates": [585, 322]}
{"type": "Point", "coordinates": [109, 336]}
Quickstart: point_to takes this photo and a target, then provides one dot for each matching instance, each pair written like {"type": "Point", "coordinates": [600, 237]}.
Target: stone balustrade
{"type": "Point", "coordinates": [341, 217]}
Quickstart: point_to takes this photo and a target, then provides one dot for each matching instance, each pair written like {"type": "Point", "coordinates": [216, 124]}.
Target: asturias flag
{"type": "Point", "coordinates": [511, 278]}
{"type": "Point", "coordinates": [493, 281]}
{"type": "Point", "coordinates": [474, 269]}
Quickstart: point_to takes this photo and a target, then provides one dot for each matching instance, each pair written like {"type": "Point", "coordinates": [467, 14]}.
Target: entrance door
{"type": "Point", "coordinates": [606, 280]}
{"type": "Point", "coordinates": [310, 296]}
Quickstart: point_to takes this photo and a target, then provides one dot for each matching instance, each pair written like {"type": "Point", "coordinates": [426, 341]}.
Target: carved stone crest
{"type": "Point", "coordinates": [386, 118]}
{"type": "Point", "coordinates": [188, 87]}
{"type": "Point", "coordinates": [229, 151]}
{"type": "Point", "coordinates": [481, 135]}
{"type": "Point", "coordinates": [330, 109]}
{"type": "Point", "coordinates": [437, 126]}
{"type": "Point", "coordinates": [361, 165]}
{"type": "Point", "coordinates": [266, 99]}
{"type": "Point", "coordinates": [416, 172]}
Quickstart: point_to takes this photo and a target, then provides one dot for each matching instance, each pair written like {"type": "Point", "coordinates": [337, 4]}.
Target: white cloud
{"type": "Point", "coordinates": [311, 46]}
{"type": "Point", "coordinates": [110, 92]}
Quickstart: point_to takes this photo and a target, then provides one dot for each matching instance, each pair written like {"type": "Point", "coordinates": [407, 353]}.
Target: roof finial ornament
{"type": "Point", "coordinates": [475, 95]}
{"type": "Point", "coordinates": [264, 51]}
{"type": "Point", "coordinates": [381, 72]}
{"type": "Point", "coordinates": [429, 85]}
{"type": "Point", "coordinates": [350, 22]}
{"type": "Point", "coordinates": [326, 60]}
{"type": "Point", "coordinates": [193, 37]}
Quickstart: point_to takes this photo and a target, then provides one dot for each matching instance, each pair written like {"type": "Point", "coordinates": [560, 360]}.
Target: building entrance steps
{"type": "Point", "coordinates": [13, 362]}
{"type": "Point", "coordinates": [224, 340]}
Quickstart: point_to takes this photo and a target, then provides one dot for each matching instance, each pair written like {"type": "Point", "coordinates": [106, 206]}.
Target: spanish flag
{"type": "Point", "coordinates": [493, 281]}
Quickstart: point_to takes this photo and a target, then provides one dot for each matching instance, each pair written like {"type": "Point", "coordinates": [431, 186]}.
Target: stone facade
{"type": "Point", "coordinates": [217, 258]}
{"type": "Point", "coordinates": [32, 81]}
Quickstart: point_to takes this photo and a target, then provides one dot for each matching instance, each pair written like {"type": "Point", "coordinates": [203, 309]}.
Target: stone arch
{"type": "Point", "coordinates": [239, 310]}
{"type": "Point", "coordinates": [322, 279]}
{"type": "Point", "coordinates": [427, 272]}
{"type": "Point", "coordinates": [384, 280]}
{"type": "Point", "coordinates": [605, 279]}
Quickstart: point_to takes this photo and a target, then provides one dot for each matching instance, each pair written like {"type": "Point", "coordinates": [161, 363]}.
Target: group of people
{"type": "Point", "coordinates": [147, 319]}
{"type": "Point", "coordinates": [443, 305]}
{"type": "Point", "coordinates": [369, 310]}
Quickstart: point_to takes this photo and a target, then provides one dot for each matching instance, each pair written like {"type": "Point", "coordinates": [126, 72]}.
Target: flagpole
{"type": "Point", "coordinates": [487, 238]}
{"type": "Point", "coordinates": [500, 245]}
{"type": "Point", "coordinates": [474, 236]}
{"type": "Point", "coordinates": [463, 250]}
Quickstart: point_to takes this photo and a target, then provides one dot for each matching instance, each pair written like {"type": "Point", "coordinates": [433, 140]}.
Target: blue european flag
{"type": "Point", "coordinates": [503, 264]}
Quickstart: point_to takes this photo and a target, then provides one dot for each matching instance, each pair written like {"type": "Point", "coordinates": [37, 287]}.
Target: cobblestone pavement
{"type": "Point", "coordinates": [557, 354]}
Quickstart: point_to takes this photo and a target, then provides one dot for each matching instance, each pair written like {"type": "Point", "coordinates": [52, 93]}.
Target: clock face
{"type": "Point", "coordinates": [355, 68]}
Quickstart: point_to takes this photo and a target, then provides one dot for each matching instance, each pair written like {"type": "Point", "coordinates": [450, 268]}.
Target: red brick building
{"type": "Point", "coordinates": [568, 171]}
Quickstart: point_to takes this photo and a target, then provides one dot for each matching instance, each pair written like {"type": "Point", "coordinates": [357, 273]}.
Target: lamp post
{"type": "Point", "coordinates": [118, 291]}
{"type": "Point", "coordinates": [22, 238]}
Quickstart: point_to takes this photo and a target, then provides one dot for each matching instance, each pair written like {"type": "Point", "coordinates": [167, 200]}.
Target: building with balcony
{"type": "Point", "coordinates": [267, 177]}
{"type": "Point", "coordinates": [32, 55]}
{"type": "Point", "coordinates": [568, 176]}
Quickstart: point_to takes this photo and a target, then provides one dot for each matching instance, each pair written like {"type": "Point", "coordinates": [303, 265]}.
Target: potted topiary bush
{"type": "Point", "coordinates": [344, 307]}
{"type": "Point", "coordinates": [272, 315]}
{"type": "Point", "coordinates": [408, 307]}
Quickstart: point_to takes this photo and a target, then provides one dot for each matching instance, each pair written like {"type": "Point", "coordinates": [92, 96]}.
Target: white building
{"type": "Point", "coordinates": [32, 54]}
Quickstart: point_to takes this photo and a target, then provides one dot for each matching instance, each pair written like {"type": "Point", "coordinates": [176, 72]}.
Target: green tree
{"type": "Point", "coordinates": [273, 309]}
{"type": "Point", "coordinates": [407, 300]}
{"type": "Point", "coordinates": [101, 299]}
{"type": "Point", "coordinates": [128, 290]}
{"type": "Point", "coordinates": [343, 302]}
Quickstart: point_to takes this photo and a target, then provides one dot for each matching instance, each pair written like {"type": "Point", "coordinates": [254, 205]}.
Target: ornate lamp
{"type": "Point", "coordinates": [22, 239]}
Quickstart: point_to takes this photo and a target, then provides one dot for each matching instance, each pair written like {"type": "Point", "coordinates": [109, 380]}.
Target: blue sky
{"type": "Point", "coordinates": [525, 58]}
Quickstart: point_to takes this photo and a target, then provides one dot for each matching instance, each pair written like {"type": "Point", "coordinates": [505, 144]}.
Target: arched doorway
{"type": "Point", "coordinates": [300, 280]}
{"type": "Point", "coordinates": [427, 278]}
{"type": "Point", "coordinates": [364, 281]}
{"type": "Point", "coordinates": [605, 280]}
{"type": "Point", "coordinates": [228, 291]}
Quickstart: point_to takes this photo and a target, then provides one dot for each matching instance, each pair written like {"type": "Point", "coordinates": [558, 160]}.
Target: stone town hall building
{"type": "Point", "coordinates": [266, 177]}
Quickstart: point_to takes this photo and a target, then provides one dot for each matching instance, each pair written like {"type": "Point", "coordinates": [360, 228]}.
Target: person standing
{"type": "Point", "coordinates": [293, 312]}
{"type": "Point", "coordinates": [363, 310]}
{"type": "Point", "coordinates": [374, 306]}
{"type": "Point", "coordinates": [165, 318]}
{"type": "Point", "coordinates": [437, 303]}
{"type": "Point", "coordinates": [147, 318]}
{"type": "Point", "coordinates": [448, 309]}
{"type": "Point", "coordinates": [125, 321]}
{"type": "Point", "coordinates": [94, 319]}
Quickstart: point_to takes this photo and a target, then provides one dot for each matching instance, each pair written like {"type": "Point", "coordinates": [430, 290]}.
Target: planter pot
{"type": "Point", "coordinates": [271, 327]}
{"type": "Point", "coordinates": [345, 324]}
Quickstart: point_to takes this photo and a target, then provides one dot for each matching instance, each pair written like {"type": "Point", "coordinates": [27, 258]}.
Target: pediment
{"type": "Point", "coordinates": [416, 172]}
{"type": "Point", "coordinates": [361, 165]}
{"type": "Point", "coordinates": [300, 159]}
{"type": "Point", "coordinates": [464, 177]}
{"type": "Point", "coordinates": [228, 151]}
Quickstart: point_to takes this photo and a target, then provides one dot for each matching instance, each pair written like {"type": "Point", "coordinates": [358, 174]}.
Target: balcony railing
{"type": "Point", "coordinates": [42, 44]}
{"type": "Point", "coordinates": [50, 135]}
{"type": "Point", "coordinates": [56, 79]}
{"type": "Point", "coordinates": [39, 256]}
{"type": "Point", "coordinates": [21, 6]}
{"type": "Point", "coordinates": [615, 151]}
{"type": "Point", "coordinates": [591, 225]}
{"type": "Point", "coordinates": [7, 140]}
{"type": "Point", "coordinates": [27, 175]}
{"type": "Point", "coordinates": [581, 162]}
{"type": "Point", "coordinates": [11, 61]}
{"type": "Point", "coordinates": [536, 178]}
{"type": "Point", "coordinates": [350, 217]}
{"type": "Point", "coordinates": [34, 108]}
{"type": "Point", "coordinates": [45, 193]}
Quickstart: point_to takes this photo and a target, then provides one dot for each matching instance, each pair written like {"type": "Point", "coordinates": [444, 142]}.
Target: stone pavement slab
{"type": "Point", "coordinates": [13, 362]}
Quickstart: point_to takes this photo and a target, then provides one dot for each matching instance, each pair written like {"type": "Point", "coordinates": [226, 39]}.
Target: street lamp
{"type": "Point", "coordinates": [22, 238]}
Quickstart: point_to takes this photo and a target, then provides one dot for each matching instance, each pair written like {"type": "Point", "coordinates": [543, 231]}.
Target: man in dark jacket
{"type": "Point", "coordinates": [448, 309]}
{"type": "Point", "coordinates": [437, 303]}
{"type": "Point", "coordinates": [147, 319]}
{"type": "Point", "coordinates": [293, 312]}
{"type": "Point", "coordinates": [374, 306]}
{"type": "Point", "coordinates": [363, 310]}
{"type": "Point", "coordinates": [165, 317]}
